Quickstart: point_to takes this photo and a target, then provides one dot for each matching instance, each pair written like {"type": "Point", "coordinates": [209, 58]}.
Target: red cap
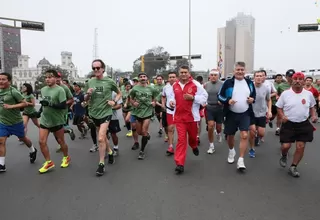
{"type": "Point", "coordinates": [59, 74]}
{"type": "Point", "coordinates": [298, 75]}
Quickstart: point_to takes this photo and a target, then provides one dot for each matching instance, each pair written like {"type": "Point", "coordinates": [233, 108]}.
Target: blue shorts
{"type": "Point", "coordinates": [133, 119]}
{"type": "Point", "coordinates": [235, 121]}
{"type": "Point", "coordinates": [8, 130]}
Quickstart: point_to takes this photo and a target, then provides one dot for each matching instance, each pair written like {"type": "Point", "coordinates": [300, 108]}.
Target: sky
{"type": "Point", "coordinates": [127, 28]}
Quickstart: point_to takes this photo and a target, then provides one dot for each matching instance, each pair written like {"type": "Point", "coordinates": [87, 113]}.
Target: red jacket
{"type": "Point", "coordinates": [188, 110]}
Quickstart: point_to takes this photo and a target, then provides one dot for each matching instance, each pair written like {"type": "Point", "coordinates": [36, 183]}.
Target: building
{"type": "Point", "coordinates": [23, 73]}
{"type": "Point", "coordinates": [10, 48]}
{"type": "Point", "coordinates": [236, 43]}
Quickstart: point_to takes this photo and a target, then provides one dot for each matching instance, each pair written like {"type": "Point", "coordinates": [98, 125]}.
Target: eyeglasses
{"type": "Point", "coordinates": [96, 68]}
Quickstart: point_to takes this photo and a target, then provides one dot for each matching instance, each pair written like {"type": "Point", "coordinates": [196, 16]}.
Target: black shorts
{"type": "Point", "coordinates": [78, 119]}
{"type": "Point", "coordinates": [142, 119]}
{"type": "Point", "coordinates": [291, 132]}
{"type": "Point", "coordinates": [157, 109]}
{"type": "Point", "coordinates": [114, 127]}
{"type": "Point", "coordinates": [52, 129]}
{"type": "Point", "coordinates": [98, 122]}
{"type": "Point", "coordinates": [214, 114]}
{"type": "Point", "coordinates": [274, 110]}
{"type": "Point", "coordinates": [32, 115]}
{"type": "Point", "coordinates": [164, 120]}
{"type": "Point", "coordinates": [258, 121]}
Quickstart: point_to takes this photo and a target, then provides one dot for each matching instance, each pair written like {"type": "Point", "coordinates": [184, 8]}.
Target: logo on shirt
{"type": "Point", "coordinates": [303, 101]}
{"type": "Point", "coordinates": [190, 90]}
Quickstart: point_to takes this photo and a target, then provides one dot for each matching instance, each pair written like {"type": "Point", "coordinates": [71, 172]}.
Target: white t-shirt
{"type": "Point", "coordinates": [165, 93]}
{"type": "Point", "coordinates": [296, 106]}
{"type": "Point", "coordinates": [115, 115]}
{"type": "Point", "coordinates": [240, 94]}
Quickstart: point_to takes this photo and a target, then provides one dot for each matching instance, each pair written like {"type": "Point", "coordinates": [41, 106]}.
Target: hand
{"type": "Point", "coordinates": [232, 102]}
{"type": "Point", "coordinates": [277, 97]}
{"type": "Point", "coordinates": [44, 102]}
{"type": "Point", "coordinates": [314, 119]}
{"type": "Point", "coordinates": [204, 105]}
{"type": "Point", "coordinates": [188, 97]}
{"type": "Point", "coordinates": [172, 104]}
{"type": "Point", "coordinates": [111, 103]}
{"type": "Point", "coordinates": [153, 103]}
{"type": "Point", "coordinates": [136, 104]}
{"type": "Point", "coordinates": [90, 91]}
{"type": "Point", "coordinates": [284, 119]}
{"type": "Point", "coordinates": [219, 103]}
{"type": "Point", "coordinates": [125, 106]}
{"type": "Point", "coordinates": [6, 106]}
{"type": "Point", "coordinates": [269, 115]}
{"type": "Point", "coordinates": [250, 100]}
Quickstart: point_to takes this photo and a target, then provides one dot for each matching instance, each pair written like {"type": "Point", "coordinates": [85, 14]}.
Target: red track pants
{"type": "Point", "coordinates": [190, 128]}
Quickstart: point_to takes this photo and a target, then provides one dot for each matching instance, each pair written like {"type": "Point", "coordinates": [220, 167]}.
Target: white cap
{"type": "Point", "coordinates": [214, 71]}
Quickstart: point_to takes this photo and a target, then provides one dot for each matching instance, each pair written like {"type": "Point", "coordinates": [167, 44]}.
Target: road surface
{"type": "Point", "coordinates": [149, 190]}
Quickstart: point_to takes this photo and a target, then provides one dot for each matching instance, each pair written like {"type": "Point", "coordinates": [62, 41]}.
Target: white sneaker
{"type": "Point", "coordinates": [240, 164]}
{"type": "Point", "coordinates": [231, 155]}
{"type": "Point", "coordinates": [219, 137]}
{"type": "Point", "coordinates": [211, 150]}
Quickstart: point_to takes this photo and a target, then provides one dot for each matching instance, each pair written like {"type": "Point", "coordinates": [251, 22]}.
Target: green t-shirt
{"type": "Point", "coordinates": [125, 95]}
{"type": "Point", "coordinates": [68, 95]}
{"type": "Point", "coordinates": [159, 89]}
{"type": "Point", "coordinates": [283, 87]}
{"type": "Point", "coordinates": [317, 87]}
{"type": "Point", "coordinates": [144, 96]}
{"type": "Point", "coordinates": [10, 96]}
{"type": "Point", "coordinates": [52, 117]}
{"type": "Point", "coordinates": [274, 98]}
{"type": "Point", "coordinates": [29, 109]}
{"type": "Point", "coordinates": [103, 88]}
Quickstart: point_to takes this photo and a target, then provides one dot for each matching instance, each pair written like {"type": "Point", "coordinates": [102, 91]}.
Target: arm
{"type": "Point", "coordinates": [62, 101]}
{"type": "Point", "coordinates": [222, 94]}
{"type": "Point", "coordinates": [273, 90]}
{"type": "Point", "coordinates": [21, 102]}
{"type": "Point", "coordinates": [280, 105]}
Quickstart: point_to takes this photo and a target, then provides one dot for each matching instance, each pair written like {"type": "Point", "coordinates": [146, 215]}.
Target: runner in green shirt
{"type": "Point", "coordinates": [158, 108]}
{"type": "Point", "coordinates": [30, 111]}
{"type": "Point", "coordinates": [11, 100]}
{"type": "Point", "coordinates": [142, 97]}
{"type": "Point", "coordinates": [99, 91]}
{"type": "Point", "coordinates": [54, 103]}
{"type": "Point", "coordinates": [126, 107]}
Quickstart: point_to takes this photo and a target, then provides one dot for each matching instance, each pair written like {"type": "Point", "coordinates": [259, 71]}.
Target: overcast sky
{"type": "Point", "coordinates": [127, 28]}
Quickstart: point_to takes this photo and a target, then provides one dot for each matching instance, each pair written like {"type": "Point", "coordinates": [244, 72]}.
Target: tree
{"type": "Point", "coordinates": [41, 79]}
{"type": "Point", "coordinates": [152, 65]}
{"type": "Point", "coordinates": [182, 62]}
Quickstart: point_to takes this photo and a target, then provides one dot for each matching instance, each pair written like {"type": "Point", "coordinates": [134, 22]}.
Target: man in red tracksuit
{"type": "Point", "coordinates": [186, 97]}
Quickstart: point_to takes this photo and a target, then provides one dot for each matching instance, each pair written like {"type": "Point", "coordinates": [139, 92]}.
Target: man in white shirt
{"type": "Point", "coordinates": [295, 105]}
{"type": "Point", "coordinates": [237, 95]}
{"type": "Point", "coordinates": [167, 118]}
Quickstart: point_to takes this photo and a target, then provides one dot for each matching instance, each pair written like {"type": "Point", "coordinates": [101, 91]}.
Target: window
{"type": "Point", "coordinates": [20, 74]}
{"type": "Point", "coordinates": [25, 74]}
{"type": "Point", "coordinates": [30, 74]}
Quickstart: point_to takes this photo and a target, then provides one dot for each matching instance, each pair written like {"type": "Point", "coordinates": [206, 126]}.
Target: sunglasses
{"type": "Point", "coordinates": [96, 68]}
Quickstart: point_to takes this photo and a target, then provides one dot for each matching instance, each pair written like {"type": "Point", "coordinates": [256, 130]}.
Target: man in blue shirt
{"type": "Point", "coordinates": [78, 110]}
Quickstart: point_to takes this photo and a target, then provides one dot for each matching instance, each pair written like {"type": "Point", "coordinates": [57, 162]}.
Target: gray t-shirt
{"type": "Point", "coordinates": [260, 106]}
{"type": "Point", "coordinates": [115, 112]}
{"type": "Point", "coordinates": [213, 90]}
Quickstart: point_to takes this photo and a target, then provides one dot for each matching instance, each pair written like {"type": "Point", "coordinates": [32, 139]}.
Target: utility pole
{"type": "Point", "coordinates": [189, 58]}
{"type": "Point", "coordinates": [95, 44]}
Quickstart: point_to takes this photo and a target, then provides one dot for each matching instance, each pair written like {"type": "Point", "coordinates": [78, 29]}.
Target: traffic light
{"type": "Point", "coordinates": [142, 63]}
{"type": "Point", "coordinates": [308, 27]}
{"type": "Point", "coordinates": [35, 26]}
{"type": "Point", "coordinates": [176, 57]}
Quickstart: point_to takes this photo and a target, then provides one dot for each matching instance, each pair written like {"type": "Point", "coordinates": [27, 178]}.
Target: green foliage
{"type": "Point", "coordinates": [183, 62]}
{"type": "Point", "coordinates": [41, 79]}
{"type": "Point", "coordinates": [152, 66]}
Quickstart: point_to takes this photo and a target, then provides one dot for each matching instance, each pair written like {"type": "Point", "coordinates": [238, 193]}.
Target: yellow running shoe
{"type": "Point", "coordinates": [65, 162]}
{"type": "Point", "coordinates": [48, 165]}
{"type": "Point", "coordinates": [129, 134]}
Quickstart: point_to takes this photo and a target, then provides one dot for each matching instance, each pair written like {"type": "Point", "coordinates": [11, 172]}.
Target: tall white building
{"type": "Point", "coordinates": [25, 74]}
{"type": "Point", "coordinates": [221, 44]}
{"type": "Point", "coordinates": [239, 41]}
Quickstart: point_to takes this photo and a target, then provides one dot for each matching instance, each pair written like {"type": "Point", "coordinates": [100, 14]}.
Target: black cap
{"type": "Point", "coordinates": [290, 72]}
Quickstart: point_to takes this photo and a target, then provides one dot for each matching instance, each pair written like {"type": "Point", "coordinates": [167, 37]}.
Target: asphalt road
{"type": "Point", "coordinates": [149, 190]}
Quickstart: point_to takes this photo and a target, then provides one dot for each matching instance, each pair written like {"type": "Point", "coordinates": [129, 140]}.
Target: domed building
{"type": "Point", "coordinates": [25, 74]}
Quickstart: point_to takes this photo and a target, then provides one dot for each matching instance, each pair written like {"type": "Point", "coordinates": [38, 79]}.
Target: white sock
{"type": "Point", "coordinates": [115, 147]}
{"type": "Point", "coordinates": [31, 149]}
{"type": "Point", "coordinates": [240, 159]}
{"type": "Point", "coordinates": [2, 160]}
{"type": "Point", "coordinates": [231, 149]}
{"type": "Point", "coordinates": [212, 145]}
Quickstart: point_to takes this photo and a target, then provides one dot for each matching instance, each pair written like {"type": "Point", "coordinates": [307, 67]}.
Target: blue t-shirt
{"type": "Point", "coordinates": [77, 108]}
